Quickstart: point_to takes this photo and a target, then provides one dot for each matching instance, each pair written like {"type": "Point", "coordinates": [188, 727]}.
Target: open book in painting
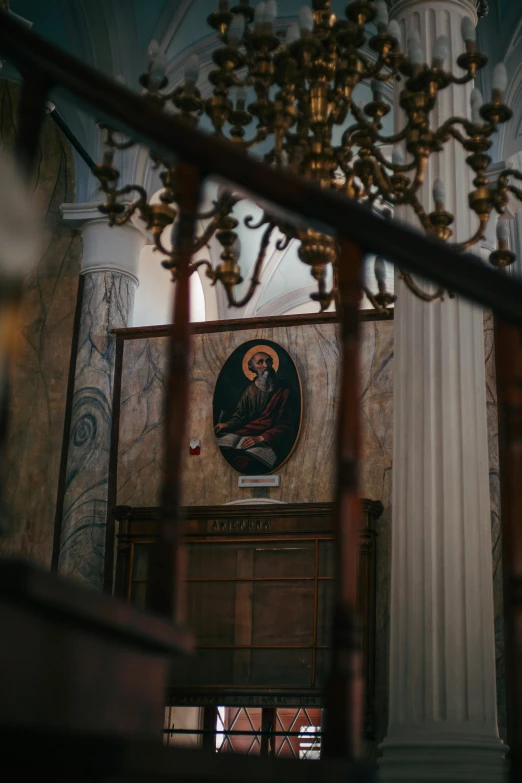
{"type": "Point", "coordinates": [260, 451]}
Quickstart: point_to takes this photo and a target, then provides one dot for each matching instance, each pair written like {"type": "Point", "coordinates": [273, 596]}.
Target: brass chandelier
{"type": "Point", "coordinates": [297, 90]}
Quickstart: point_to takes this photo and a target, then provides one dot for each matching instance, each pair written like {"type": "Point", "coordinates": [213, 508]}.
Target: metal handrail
{"type": "Point", "coordinates": [461, 273]}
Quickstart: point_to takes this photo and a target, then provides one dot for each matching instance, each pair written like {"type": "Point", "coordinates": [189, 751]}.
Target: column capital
{"type": "Point", "coordinates": [106, 248]}
{"type": "Point", "coordinates": [480, 6]}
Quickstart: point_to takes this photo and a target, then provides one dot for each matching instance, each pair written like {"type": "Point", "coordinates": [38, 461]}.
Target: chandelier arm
{"type": "Point", "coordinates": [361, 120]}
{"type": "Point", "coordinates": [471, 129]}
{"type": "Point", "coordinates": [209, 214]}
{"type": "Point", "coordinates": [124, 145]}
{"type": "Point", "coordinates": [381, 178]}
{"type": "Point", "coordinates": [421, 163]}
{"type": "Point", "coordinates": [468, 77]}
{"type": "Point", "coordinates": [415, 289]}
{"type": "Point", "coordinates": [368, 126]}
{"type": "Point", "coordinates": [198, 244]}
{"type": "Point", "coordinates": [283, 242]}
{"type": "Point", "coordinates": [373, 301]}
{"type": "Point", "coordinates": [376, 69]}
{"type": "Point", "coordinates": [509, 173]}
{"type": "Point", "coordinates": [260, 136]}
{"type": "Point", "coordinates": [117, 145]}
{"type": "Point", "coordinates": [477, 236]}
{"type": "Point", "coordinates": [420, 212]}
{"type": "Point", "coordinates": [371, 69]}
{"type": "Point", "coordinates": [443, 133]}
{"type": "Point", "coordinates": [396, 167]}
{"type": "Point", "coordinates": [249, 218]}
{"type": "Point", "coordinates": [218, 207]}
{"type": "Point", "coordinates": [197, 264]}
{"type": "Point", "coordinates": [338, 114]}
{"type": "Point", "coordinates": [207, 233]}
{"type": "Point", "coordinates": [400, 136]}
{"type": "Point", "coordinates": [385, 76]}
{"type": "Point", "coordinates": [325, 299]}
{"type": "Point", "coordinates": [254, 281]}
{"type": "Point", "coordinates": [159, 246]}
{"type": "Point", "coordinates": [515, 191]}
{"type": "Point", "coordinates": [140, 204]}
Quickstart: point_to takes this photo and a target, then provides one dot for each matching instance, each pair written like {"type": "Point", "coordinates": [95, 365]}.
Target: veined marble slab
{"type": "Point", "coordinates": [41, 364]}
{"type": "Point", "coordinates": [106, 304]}
{"type": "Point", "coordinates": [308, 476]}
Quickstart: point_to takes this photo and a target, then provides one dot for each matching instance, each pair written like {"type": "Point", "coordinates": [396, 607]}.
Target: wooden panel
{"type": "Point", "coordinates": [283, 613]}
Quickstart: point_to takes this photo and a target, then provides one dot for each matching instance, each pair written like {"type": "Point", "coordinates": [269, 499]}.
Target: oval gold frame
{"type": "Point", "coordinates": [268, 349]}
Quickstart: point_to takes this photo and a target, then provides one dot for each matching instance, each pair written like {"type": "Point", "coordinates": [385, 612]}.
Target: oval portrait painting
{"type": "Point", "coordinates": [257, 407]}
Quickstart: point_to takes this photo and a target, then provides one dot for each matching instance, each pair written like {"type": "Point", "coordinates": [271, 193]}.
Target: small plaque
{"type": "Point", "coordinates": [259, 481]}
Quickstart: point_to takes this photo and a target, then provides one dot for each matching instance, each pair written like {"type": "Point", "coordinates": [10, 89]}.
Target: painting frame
{"type": "Point", "coordinates": [232, 382]}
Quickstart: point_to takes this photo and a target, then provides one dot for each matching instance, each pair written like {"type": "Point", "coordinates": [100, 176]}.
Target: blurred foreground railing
{"type": "Point", "coordinates": [46, 70]}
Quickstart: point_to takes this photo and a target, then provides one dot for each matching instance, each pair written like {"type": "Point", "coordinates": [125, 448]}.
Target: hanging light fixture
{"type": "Point", "coordinates": [290, 93]}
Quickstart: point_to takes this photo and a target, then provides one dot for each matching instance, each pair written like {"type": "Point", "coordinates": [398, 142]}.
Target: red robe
{"type": "Point", "coordinates": [275, 421]}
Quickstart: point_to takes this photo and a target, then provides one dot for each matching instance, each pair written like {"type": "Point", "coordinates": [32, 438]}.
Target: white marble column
{"type": "Point", "coordinates": [442, 708]}
{"type": "Point", "coordinates": [514, 215]}
{"type": "Point", "coordinates": [109, 267]}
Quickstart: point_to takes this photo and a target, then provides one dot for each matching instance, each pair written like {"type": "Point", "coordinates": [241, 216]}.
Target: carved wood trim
{"type": "Point", "coordinates": [243, 324]}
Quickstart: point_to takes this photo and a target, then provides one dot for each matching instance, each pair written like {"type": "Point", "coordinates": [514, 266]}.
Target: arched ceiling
{"type": "Point", "coordinates": [113, 35]}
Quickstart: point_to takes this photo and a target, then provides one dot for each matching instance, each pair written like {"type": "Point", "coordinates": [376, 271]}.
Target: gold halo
{"type": "Point", "coordinates": [259, 349]}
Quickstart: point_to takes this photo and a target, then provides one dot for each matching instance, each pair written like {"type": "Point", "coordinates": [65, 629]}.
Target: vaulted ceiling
{"type": "Point", "coordinates": [113, 35]}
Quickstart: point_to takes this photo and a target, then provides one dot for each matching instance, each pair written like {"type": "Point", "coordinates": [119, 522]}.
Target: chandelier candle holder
{"type": "Point", "coordinates": [291, 92]}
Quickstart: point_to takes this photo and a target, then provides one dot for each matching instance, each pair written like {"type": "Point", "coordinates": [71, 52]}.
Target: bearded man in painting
{"type": "Point", "coordinates": [264, 424]}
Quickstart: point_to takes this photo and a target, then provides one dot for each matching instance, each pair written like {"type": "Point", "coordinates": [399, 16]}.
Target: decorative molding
{"type": "Point", "coordinates": [239, 324]}
{"type": "Point", "coordinates": [480, 5]}
{"type": "Point", "coordinates": [150, 514]}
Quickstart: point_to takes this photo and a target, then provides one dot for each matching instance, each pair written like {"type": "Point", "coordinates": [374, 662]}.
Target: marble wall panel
{"type": "Point", "coordinates": [496, 538]}
{"type": "Point", "coordinates": [106, 304]}
{"type": "Point", "coordinates": [308, 477]}
{"type": "Point", "coordinates": [40, 372]}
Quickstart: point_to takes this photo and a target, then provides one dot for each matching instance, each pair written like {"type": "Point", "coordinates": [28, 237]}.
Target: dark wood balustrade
{"type": "Point", "coordinates": [90, 754]}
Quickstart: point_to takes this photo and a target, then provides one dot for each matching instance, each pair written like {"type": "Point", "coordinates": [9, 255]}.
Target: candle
{"type": "Point", "coordinates": [395, 31]}
{"type": "Point", "coordinates": [306, 19]}
{"type": "Point", "coordinates": [467, 30]}
{"type": "Point", "coordinates": [241, 97]}
{"type": "Point", "coordinates": [476, 102]}
{"type": "Point", "coordinates": [192, 70]}
{"type": "Point", "coordinates": [381, 17]}
{"type": "Point", "coordinates": [440, 51]}
{"type": "Point", "coordinates": [500, 79]}
{"type": "Point", "coordinates": [397, 156]}
{"type": "Point", "coordinates": [379, 268]}
{"type": "Point", "coordinates": [439, 193]}
{"type": "Point", "coordinates": [292, 34]}
{"type": "Point", "coordinates": [259, 16]}
{"type": "Point", "coordinates": [503, 232]}
{"type": "Point", "coordinates": [236, 29]}
{"type": "Point", "coordinates": [270, 12]}
{"type": "Point", "coordinates": [377, 89]}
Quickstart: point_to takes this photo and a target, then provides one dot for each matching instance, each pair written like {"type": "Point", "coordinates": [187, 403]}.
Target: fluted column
{"type": "Point", "coordinates": [442, 710]}
{"type": "Point", "coordinates": [109, 267]}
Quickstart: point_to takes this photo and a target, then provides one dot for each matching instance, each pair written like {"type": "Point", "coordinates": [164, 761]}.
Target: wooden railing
{"type": "Point", "coordinates": [45, 68]}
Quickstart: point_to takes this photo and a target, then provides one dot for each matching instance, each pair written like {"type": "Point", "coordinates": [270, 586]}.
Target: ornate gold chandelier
{"type": "Point", "coordinates": [295, 92]}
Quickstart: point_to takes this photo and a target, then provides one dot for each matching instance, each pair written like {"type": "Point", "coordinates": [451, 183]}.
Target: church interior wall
{"type": "Point", "coordinates": [308, 475]}
{"type": "Point", "coordinates": [41, 366]}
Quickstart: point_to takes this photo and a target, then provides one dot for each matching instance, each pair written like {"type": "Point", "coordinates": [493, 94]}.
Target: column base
{"type": "Point", "coordinates": [452, 759]}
